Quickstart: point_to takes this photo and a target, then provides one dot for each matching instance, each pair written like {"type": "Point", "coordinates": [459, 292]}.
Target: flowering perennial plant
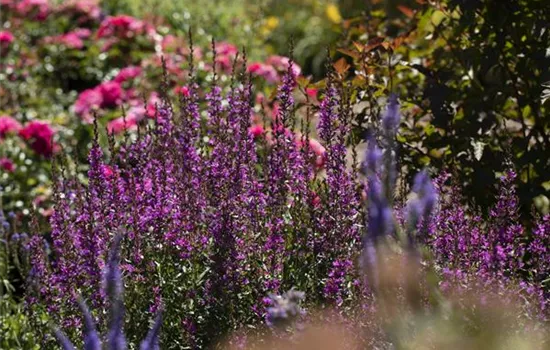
{"type": "Point", "coordinates": [216, 219]}
{"type": "Point", "coordinates": [217, 216]}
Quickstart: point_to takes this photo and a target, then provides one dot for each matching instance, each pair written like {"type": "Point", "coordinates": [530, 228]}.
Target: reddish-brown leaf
{"type": "Point", "coordinates": [373, 43]}
{"type": "Point", "coordinates": [350, 53]}
{"type": "Point", "coordinates": [341, 66]}
{"type": "Point", "coordinates": [407, 11]}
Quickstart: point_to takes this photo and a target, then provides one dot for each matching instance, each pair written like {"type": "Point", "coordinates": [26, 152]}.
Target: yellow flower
{"type": "Point", "coordinates": [333, 13]}
{"type": "Point", "coordinates": [271, 22]}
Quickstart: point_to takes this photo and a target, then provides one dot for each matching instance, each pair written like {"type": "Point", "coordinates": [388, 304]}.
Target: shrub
{"type": "Point", "coordinates": [473, 81]}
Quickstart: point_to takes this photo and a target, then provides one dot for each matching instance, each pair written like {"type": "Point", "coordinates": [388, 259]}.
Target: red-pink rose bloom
{"type": "Point", "coordinates": [107, 171]}
{"type": "Point", "coordinates": [256, 130]}
{"type": "Point", "coordinates": [184, 90]}
{"type": "Point", "coordinates": [118, 125]}
{"type": "Point", "coordinates": [312, 92]}
{"type": "Point", "coordinates": [7, 165]}
{"type": "Point", "coordinates": [281, 63]}
{"type": "Point", "coordinates": [87, 101]}
{"type": "Point", "coordinates": [6, 37]}
{"type": "Point", "coordinates": [8, 125]}
{"type": "Point", "coordinates": [315, 146]}
{"type": "Point", "coordinates": [319, 151]}
{"type": "Point", "coordinates": [127, 73]}
{"type": "Point", "coordinates": [122, 27]}
{"type": "Point", "coordinates": [82, 33]}
{"type": "Point", "coordinates": [39, 135]}
{"type": "Point", "coordinates": [223, 48]}
{"type": "Point", "coordinates": [170, 43]}
{"type": "Point", "coordinates": [224, 63]}
{"type": "Point", "coordinates": [263, 70]}
{"type": "Point", "coordinates": [73, 40]}
{"type": "Point", "coordinates": [112, 93]}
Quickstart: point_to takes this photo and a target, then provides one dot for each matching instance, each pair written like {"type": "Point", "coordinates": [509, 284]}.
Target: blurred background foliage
{"type": "Point", "coordinates": [264, 27]}
{"type": "Point", "coordinates": [472, 77]}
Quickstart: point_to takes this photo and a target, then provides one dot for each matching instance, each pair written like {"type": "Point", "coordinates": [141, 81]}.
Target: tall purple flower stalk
{"type": "Point", "coordinates": [340, 233]}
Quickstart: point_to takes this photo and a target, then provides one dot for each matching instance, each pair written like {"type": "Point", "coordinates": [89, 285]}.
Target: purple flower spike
{"type": "Point", "coordinates": [116, 339]}
{"type": "Point", "coordinates": [380, 214]}
{"type": "Point", "coordinates": [392, 118]}
{"type": "Point", "coordinates": [426, 191]}
{"type": "Point", "coordinates": [91, 338]}
{"type": "Point", "coordinates": [421, 208]}
{"type": "Point", "coordinates": [63, 340]}
{"type": "Point", "coordinates": [373, 158]}
{"type": "Point", "coordinates": [151, 342]}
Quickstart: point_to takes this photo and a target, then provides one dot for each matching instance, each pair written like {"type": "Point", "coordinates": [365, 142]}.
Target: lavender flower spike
{"type": "Point", "coordinates": [63, 340]}
{"type": "Point", "coordinates": [151, 342]}
{"type": "Point", "coordinates": [113, 280]}
{"type": "Point", "coordinates": [420, 209]}
{"type": "Point", "coordinates": [373, 158]}
{"type": "Point", "coordinates": [91, 338]}
{"type": "Point", "coordinates": [392, 117]}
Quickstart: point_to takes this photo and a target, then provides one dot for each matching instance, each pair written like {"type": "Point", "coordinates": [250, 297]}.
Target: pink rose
{"type": "Point", "coordinates": [87, 101]}
{"type": "Point", "coordinates": [107, 171]}
{"type": "Point", "coordinates": [82, 33]}
{"type": "Point", "coordinates": [111, 92]}
{"type": "Point", "coordinates": [118, 125]}
{"type": "Point", "coordinates": [184, 90]}
{"type": "Point", "coordinates": [312, 92]}
{"type": "Point", "coordinates": [256, 130]}
{"type": "Point", "coordinates": [40, 136]}
{"type": "Point", "coordinates": [40, 8]}
{"type": "Point", "coordinates": [263, 70]}
{"type": "Point", "coordinates": [71, 40]}
{"type": "Point", "coordinates": [8, 125]}
{"type": "Point", "coordinates": [7, 165]}
{"type": "Point", "coordinates": [83, 10]}
{"type": "Point", "coordinates": [122, 27]}
{"type": "Point", "coordinates": [226, 49]}
{"type": "Point", "coordinates": [224, 63]}
{"type": "Point", "coordinates": [6, 37]}
{"type": "Point", "coordinates": [151, 108]}
{"type": "Point", "coordinates": [281, 63]}
{"type": "Point", "coordinates": [127, 73]}
{"type": "Point", "coordinates": [319, 151]}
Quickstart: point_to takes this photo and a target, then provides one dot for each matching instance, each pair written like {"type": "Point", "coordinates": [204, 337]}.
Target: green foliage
{"type": "Point", "coordinates": [473, 75]}
{"type": "Point", "coordinates": [15, 327]}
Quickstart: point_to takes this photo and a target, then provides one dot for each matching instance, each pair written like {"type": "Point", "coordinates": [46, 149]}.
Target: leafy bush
{"type": "Point", "coordinates": [472, 74]}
